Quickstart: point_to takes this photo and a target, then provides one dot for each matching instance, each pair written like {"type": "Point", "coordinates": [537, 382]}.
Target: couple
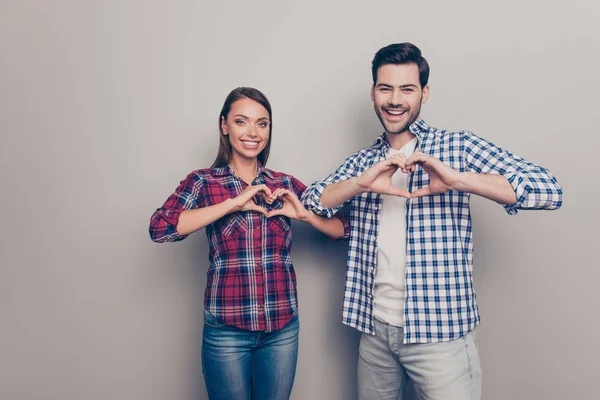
{"type": "Point", "coordinates": [409, 286]}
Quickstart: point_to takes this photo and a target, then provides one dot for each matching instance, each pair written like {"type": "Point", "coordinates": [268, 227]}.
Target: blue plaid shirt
{"type": "Point", "coordinates": [440, 300]}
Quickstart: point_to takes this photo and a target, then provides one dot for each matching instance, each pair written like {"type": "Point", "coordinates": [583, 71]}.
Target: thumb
{"type": "Point", "coordinates": [274, 213]}
{"type": "Point", "coordinates": [421, 192]}
{"type": "Point", "coordinates": [254, 207]}
{"type": "Point", "coordinates": [399, 192]}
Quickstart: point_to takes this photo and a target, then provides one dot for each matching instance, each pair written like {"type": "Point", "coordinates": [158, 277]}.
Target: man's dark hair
{"type": "Point", "coordinates": [401, 53]}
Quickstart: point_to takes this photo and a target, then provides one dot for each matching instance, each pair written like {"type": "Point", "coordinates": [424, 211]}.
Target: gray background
{"type": "Point", "coordinates": [105, 106]}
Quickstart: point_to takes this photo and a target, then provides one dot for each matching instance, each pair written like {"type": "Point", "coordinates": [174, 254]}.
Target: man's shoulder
{"type": "Point", "coordinates": [439, 137]}
{"type": "Point", "coordinates": [442, 133]}
{"type": "Point", "coordinates": [368, 152]}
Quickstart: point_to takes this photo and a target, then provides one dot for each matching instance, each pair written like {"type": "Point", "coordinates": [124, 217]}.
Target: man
{"type": "Point", "coordinates": [409, 282]}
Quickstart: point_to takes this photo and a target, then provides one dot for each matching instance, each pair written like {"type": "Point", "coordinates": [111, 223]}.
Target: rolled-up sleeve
{"type": "Point", "coordinates": [187, 196]}
{"type": "Point", "coordinates": [311, 197]}
{"type": "Point", "coordinates": [300, 189]}
{"type": "Point", "coordinates": [535, 187]}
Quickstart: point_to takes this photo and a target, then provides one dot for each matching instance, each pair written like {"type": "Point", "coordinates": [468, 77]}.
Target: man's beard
{"type": "Point", "coordinates": [397, 127]}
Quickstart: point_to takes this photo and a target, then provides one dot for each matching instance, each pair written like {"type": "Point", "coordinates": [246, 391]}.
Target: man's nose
{"type": "Point", "coordinates": [395, 98]}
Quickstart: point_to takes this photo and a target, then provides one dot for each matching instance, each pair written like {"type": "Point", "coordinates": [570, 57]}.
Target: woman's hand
{"type": "Point", "coordinates": [245, 200]}
{"type": "Point", "coordinates": [292, 207]}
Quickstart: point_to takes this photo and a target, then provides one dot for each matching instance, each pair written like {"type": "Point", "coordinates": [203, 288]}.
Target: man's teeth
{"type": "Point", "coordinates": [395, 112]}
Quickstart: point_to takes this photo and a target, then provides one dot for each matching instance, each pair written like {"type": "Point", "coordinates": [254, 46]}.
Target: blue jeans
{"type": "Point", "coordinates": [243, 365]}
{"type": "Point", "coordinates": [438, 371]}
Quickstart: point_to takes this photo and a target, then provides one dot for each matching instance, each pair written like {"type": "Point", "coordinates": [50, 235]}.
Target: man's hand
{"type": "Point", "coordinates": [378, 178]}
{"type": "Point", "coordinates": [292, 207]}
{"type": "Point", "coordinates": [442, 178]}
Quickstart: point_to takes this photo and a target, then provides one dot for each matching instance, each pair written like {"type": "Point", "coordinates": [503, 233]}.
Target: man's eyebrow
{"type": "Point", "coordinates": [408, 85]}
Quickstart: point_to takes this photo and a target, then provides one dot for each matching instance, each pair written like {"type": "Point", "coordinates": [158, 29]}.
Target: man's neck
{"type": "Point", "coordinates": [399, 140]}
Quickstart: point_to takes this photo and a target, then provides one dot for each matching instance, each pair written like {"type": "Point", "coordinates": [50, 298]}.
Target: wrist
{"type": "Point", "coordinates": [358, 187]}
{"type": "Point", "coordinates": [464, 182]}
{"type": "Point", "coordinates": [231, 206]}
{"type": "Point", "coordinates": [306, 216]}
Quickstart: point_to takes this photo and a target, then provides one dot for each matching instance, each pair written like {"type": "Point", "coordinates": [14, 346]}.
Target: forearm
{"type": "Point", "coordinates": [338, 193]}
{"type": "Point", "coordinates": [332, 227]}
{"type": "Point", "coordinates": [490, 186]}
{"type": "Point", "coordinates": [193, 220]}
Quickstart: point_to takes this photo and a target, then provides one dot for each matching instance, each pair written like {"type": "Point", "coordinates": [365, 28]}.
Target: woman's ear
{"type": "Point", "coordinates": [224, 126]}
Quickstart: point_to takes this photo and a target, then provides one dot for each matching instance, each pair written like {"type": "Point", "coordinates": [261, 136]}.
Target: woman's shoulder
{"type": "Point", "coordinates": [208, 173]}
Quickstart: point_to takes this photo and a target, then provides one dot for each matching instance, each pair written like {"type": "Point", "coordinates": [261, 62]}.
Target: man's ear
{"type": "Point", "coordinates": [373, 92]}
{"type": "Point", "coordinates": [425, 94]}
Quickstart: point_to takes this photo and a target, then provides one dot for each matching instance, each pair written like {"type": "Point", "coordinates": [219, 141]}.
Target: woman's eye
{"type": "Point", "coordinates": [240, 122]}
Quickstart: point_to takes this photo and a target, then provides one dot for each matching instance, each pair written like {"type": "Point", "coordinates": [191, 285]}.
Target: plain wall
{"type": "Point", "coordinates": [105, 106]}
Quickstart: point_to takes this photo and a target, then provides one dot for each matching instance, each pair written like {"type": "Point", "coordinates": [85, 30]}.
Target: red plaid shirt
{"type": "Point", "coordinates": [251, 283]}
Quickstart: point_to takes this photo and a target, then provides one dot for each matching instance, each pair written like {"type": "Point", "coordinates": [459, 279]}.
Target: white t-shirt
{"type": "Point", "coordinates": [390, 275]}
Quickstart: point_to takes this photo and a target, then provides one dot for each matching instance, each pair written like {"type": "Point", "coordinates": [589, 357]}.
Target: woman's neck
{"type": "Point", "coordinates": [246, 169]}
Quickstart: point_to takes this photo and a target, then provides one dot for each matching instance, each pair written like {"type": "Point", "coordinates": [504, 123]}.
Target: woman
{"type": "Point", "coordinates": [250, 339]}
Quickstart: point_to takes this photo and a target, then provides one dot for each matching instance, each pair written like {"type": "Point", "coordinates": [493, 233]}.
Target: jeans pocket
{"type": "Point", "coordinates": [212, 321]}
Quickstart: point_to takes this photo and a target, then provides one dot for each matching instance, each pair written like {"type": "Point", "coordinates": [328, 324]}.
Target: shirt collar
{"type": "Point", "coordinates": [228, 170]}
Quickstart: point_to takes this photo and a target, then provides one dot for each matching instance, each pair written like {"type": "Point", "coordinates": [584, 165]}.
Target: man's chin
{"type": "Point", "coordinates": [396, 130]}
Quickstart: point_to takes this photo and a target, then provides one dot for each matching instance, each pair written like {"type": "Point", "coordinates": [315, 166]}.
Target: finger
{"type": "Point", "coordinates": [400, 162]}
{"type": "Point", "coordinates": [399, 156]}
{"type": "Point", "coordinates": [416, 159]}
{"type": "Point", "coordinates": [295, 201]}
{"type": "Point", "coordinates": [285, 192]}
{"type": "Point", "coordinates": [273, 196]}
{"type": "Point", "coordinates": [399, 192]}
{"type": "Point", "coordinates": [385, 164]}
{"type": "Point", "coordinates": [275, 213]}
{"type": "Point", "coordinates": [409, 169]}
{"type": "Point", "coordinates": [421, 192]}
{"type": "Point", "coordinates": [261, 189]}
{"type": "Point", "coordinates": [276, 194]}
